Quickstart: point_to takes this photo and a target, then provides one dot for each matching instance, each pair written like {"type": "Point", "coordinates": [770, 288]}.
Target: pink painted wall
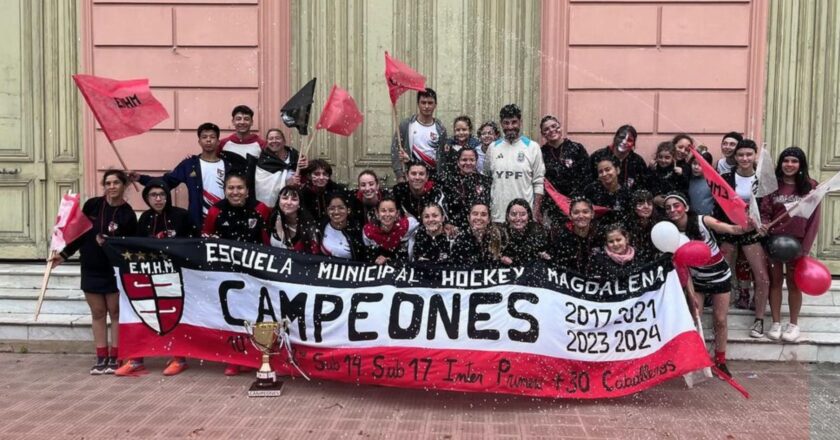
{"type": "Point", "coordinates": [665, 67]}
{"type": "Point", "coordinates": [202, 58]}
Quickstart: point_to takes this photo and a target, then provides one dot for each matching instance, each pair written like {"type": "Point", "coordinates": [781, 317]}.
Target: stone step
{"type": "Point", "coordinates": [29, 276]}
{"type": "Point", "coordinates": [49, 327]}
{"type": "Point", "coordinates": [49, 307]}
{"type": "Point", "coordinates": [56, 301]}
{"type": "Point", "coordinates": [812, 347]}
{"type": "Point", "coordinates": [811, 318]}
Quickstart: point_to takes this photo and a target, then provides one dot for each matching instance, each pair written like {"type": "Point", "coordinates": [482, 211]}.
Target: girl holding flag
{"type": "Point", "coordinates": [713, 279]}
{"type": "Point", "coordinates": [794, 184]}
{"type": "Point", "coordinates": [111, 216]}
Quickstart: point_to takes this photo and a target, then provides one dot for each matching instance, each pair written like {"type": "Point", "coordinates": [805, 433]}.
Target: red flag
{"type": "Point", "coordinates": [122, 108]}
{"type": "Point", "coordinates": [725, 196]}
{"type": "Point", "coordinates": [340, 114]}
{"type": "Point", "coordinates": [564, 203]}
{"type": "Point", "coordinates": [70, 224]}
{"type": "Point", "coordinates": [401, 78]}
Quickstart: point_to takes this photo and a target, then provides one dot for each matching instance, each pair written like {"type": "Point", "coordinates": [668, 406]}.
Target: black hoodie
{"type": "Point", "coordinates": [172, 222]}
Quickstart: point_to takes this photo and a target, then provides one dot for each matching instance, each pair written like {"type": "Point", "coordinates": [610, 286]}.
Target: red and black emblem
{"type": "Point", "coordinates": [157, 299]}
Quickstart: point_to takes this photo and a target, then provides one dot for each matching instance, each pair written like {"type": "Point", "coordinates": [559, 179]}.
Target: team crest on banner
{"type": "Point", "coordinates": [156, 294]}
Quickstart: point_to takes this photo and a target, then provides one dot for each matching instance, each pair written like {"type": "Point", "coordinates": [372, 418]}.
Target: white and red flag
{"type": "Point", "coordinates": [70, 223]}
{"type": "Point", "coordinates": [808, 204]}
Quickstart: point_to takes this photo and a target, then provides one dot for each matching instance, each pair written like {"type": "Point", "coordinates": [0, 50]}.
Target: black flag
{"type": "Point", "coordinates": [295, 113]}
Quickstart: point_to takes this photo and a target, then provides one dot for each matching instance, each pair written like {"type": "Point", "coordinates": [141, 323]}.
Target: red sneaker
{"type": "Point", "coordinates": [176, 366]}
{"type": "Point", "coordinates": [231, 370]}
{"type": "Point", "coordinates": [130, 368]}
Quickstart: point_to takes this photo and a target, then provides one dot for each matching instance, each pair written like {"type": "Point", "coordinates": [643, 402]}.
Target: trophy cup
{"type": "Point", "coordinates": [264, 336]}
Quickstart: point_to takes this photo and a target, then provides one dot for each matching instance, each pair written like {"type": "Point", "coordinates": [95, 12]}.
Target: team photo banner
{"type": "Point", "coordinates": [538, 330]}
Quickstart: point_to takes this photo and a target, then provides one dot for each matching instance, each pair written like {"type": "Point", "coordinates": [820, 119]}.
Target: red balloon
{"type": "Point", "coordinates": [695, 253]}
{"type": "Point", "coordinates": [811, 276]}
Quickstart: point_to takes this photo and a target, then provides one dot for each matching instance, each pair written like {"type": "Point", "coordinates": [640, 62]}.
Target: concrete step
{"type": "Point", "coordinates": [825, 319]}
{"type": "Point", "coordinates": [812, 347]}
{"type": "Point", "coordinates": [49, 327]}
{"type": "Point", "coordinates": [56, 301]}
{"type": "Point", "coordinates": [29, 276]}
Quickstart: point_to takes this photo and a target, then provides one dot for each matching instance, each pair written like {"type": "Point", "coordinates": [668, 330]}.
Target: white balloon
{"type": "Point", "coordinates": [683, 240]}
{"type": "Point", "coordinates": [665, 236]}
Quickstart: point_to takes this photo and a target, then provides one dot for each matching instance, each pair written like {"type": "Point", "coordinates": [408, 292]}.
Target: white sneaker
{"type": "Point", "coordinates": [775, 331]}
{"type": "Point", "coordinates": [791, 333]}
{"type": "Point", "coordinates": [757, 329]}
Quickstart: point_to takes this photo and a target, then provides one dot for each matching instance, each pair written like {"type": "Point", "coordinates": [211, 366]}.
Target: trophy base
{"type": "Point", "coordinates": [258, 390]}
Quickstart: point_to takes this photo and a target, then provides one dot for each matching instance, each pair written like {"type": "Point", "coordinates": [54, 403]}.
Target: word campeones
{"type": "Point", "coordinates": [447, 311]}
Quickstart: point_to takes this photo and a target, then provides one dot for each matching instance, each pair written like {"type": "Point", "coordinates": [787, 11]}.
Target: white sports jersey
{"type": "Point", "coordinates": [517, 170]}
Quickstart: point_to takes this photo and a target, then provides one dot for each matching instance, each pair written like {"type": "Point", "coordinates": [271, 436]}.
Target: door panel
{"type": "Point", "coordinates": [39, 128]}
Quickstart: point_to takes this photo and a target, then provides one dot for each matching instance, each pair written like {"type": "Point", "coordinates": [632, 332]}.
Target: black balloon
{"type": "Point", "coordinates": [783, 248]}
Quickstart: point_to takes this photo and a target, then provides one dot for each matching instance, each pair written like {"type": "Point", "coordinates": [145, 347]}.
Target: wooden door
{"type": "Point", "coordinates": [39, 128]}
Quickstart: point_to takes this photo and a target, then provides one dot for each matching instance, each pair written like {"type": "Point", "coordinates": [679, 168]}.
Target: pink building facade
{"type": "Point", "coordinates": [664, 66]}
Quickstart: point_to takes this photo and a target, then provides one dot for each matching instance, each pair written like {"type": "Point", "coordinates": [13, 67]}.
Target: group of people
{"type": "Point", "coordinates": [475, 198]}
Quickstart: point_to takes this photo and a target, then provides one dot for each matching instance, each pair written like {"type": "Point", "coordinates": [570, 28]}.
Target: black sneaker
{"type": "Point", "coordinates": [722, 367]}
{"type": "Point", "coordinates": [757, 329]}
{"type": "Point", "coordinates": [100, 366]}
{"type": "Point", "coordinates": [111, 365]}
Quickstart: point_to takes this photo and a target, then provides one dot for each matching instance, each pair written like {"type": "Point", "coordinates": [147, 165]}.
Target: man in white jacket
{"type": "Point", "coordinates": [516, 165]}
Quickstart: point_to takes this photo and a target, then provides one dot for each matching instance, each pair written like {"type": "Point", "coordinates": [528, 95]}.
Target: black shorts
{"type": "Point", "coordinates": [712, 280]}
{"type": "Point", "coordinates": [740, 240]}
{"type": "Point", "coordinates": [99, 282]}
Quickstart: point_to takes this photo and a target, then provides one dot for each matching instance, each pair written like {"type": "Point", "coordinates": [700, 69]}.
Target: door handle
{"type": "Point", "coordinates": [12, 171]}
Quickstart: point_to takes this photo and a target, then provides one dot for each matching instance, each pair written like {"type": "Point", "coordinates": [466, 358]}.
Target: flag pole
{"type": "Point", "coordinates": [399, 137]}
{"type": "Point", "coordinates": [305, 151]}
{"type": "Point", "coordinates": [780, 217]}
{"type": "Point", "coordinates": [44, 282]}
{"type": "Point", "coordinates": [122, 162]}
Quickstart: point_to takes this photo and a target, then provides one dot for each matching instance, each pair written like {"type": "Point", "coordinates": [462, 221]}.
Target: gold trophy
{"type": "Point", "coordinates": [264, 336]}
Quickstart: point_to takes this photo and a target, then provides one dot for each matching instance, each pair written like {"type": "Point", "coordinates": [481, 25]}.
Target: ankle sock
{"type": "Point", "coordinates": [102, 352]}
{"type": "Point", "coordinates": [720, 357]}
{"type": "Point", "coordinates": [115, 352]}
